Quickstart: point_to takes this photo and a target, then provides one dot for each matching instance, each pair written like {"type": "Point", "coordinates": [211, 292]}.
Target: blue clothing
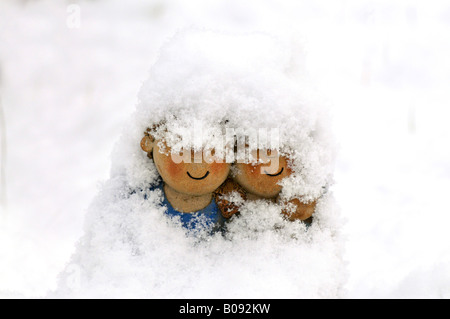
{"type": "Point", "coordinates": [209, 218]}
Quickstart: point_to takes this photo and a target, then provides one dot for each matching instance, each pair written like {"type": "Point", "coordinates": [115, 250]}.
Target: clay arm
{"type": "Point", "coordinates": [228, 208]}
{"type": "Point", "coordinates": [297, 210]}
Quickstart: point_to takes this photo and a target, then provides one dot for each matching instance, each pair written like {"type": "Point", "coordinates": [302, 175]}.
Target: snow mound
{"type": "Point", "coordinates": [210, 80]}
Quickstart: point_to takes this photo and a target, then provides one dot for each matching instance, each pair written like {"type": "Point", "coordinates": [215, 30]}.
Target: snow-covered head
{"type": "Point", "coordinates": [217, 83]}
{"type": "Point", "coordinates": [190, 173]}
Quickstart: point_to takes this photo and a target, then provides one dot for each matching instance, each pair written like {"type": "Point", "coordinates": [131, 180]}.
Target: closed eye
{"type": "Point", "coordinates": [273, 175]}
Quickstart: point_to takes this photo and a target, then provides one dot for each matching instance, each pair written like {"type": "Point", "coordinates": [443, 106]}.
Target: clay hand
{"type": "Point", "coordinates": [296, 210]}
{"type": "Point", "coordinates": [228, 208]}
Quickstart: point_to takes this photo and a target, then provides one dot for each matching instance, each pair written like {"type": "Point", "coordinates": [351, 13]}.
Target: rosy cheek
{"type": "Point", "coordinates": [173, 169]}
{"type": "Point", "coordinates": [253, 171]}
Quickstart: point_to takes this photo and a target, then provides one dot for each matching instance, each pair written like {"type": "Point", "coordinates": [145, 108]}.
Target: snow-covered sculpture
{"type": "Point", "coordinates": [260, 180]}
{"type": "Point", "coordinates": [212, 83]}
{"type": "Point", "coordinates": [188, 184]}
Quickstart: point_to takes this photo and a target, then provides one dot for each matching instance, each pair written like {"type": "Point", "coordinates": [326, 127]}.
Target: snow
{"type": "Point", "coordinates": [127, 240]}
{"type": "Point", "coordinates": [69, 92]}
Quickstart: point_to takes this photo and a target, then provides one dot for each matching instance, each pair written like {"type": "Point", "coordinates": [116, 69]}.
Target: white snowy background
{"type": "Point", "coordinates": [68, 86]}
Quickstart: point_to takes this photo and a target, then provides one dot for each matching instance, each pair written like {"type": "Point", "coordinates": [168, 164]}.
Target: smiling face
{"type": "Point", "coordinates": [189, 178]}
{"type": "Point", "coordinates": [261, 179]}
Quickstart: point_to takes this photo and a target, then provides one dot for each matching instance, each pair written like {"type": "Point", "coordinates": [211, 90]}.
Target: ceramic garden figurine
{"type": "Point", "coordinates": [188, 186]}
{"type": "Point", "coordinates": [259, 179]}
